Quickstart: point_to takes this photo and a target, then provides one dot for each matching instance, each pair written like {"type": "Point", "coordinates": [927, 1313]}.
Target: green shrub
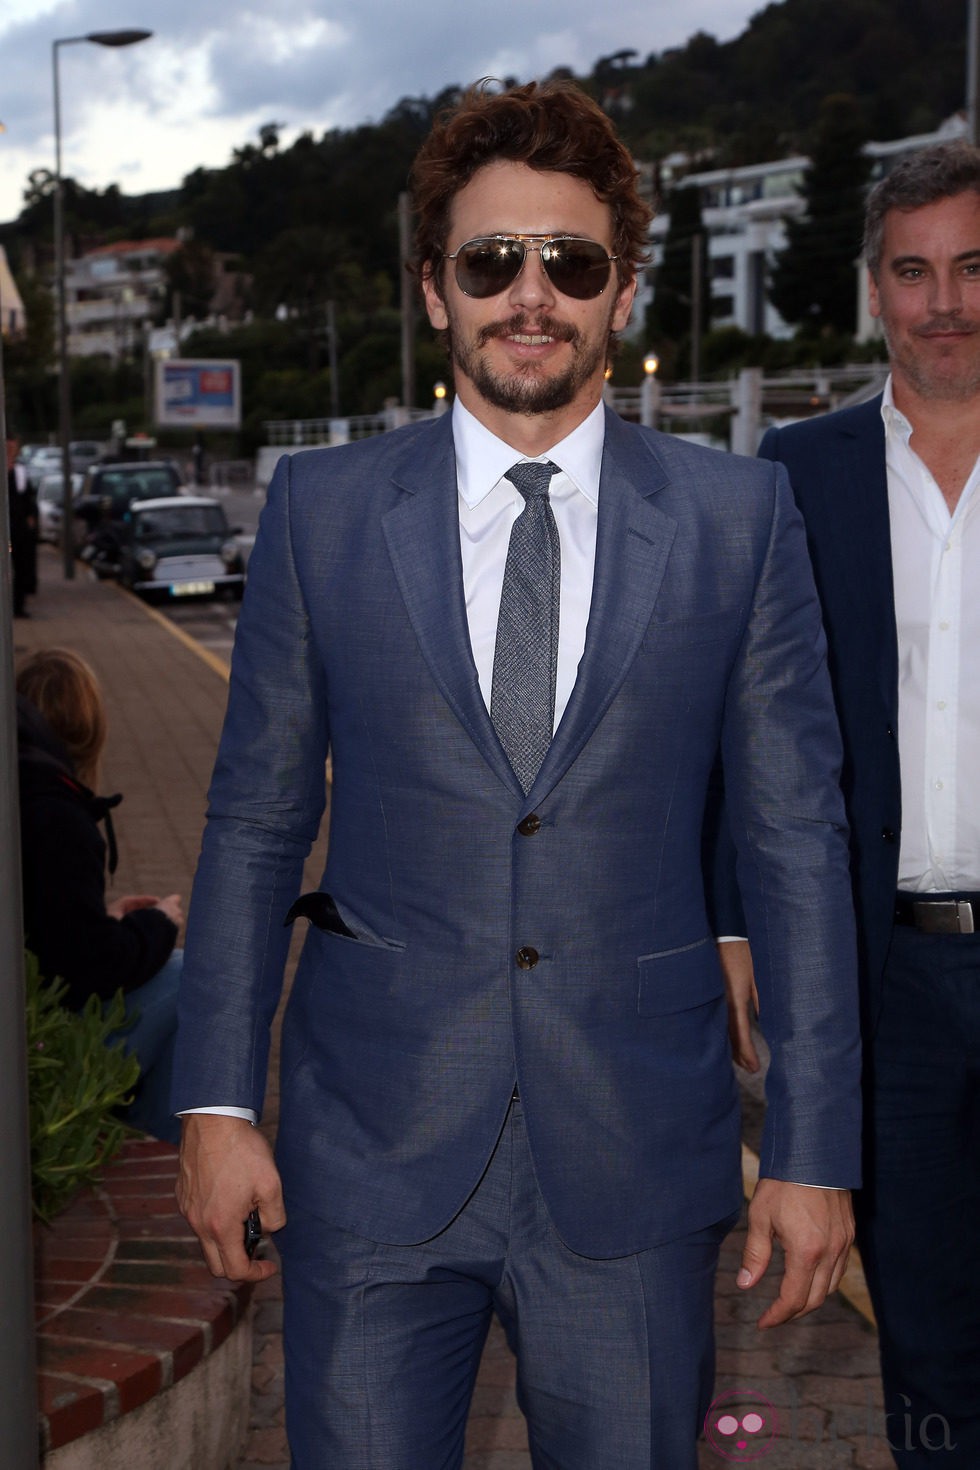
{"type": "Point", "coordinates": [74, 1082]}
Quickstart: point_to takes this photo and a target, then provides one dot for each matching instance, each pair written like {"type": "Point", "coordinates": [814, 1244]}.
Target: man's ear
{"type": "Point", "coordinates": [874, 305]}
{"type": "Point", "coordinates": [624, 304]}
{"type": "Point", "coordinates": [432, 292]}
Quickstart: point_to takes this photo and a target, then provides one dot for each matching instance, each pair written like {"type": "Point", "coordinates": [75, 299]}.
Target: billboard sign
{"type": "Point", "coordinates": [197, 393]}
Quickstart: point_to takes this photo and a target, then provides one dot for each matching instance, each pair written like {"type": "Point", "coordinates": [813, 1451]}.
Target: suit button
{"type": "Point", "coordinates": [888, 834]}
{"type": "Point", "coordinates": [527, 958]}
{"type": "Point", "coordinates": [890, 733]}
{"type": "Point", "coordinates": [530, 825]}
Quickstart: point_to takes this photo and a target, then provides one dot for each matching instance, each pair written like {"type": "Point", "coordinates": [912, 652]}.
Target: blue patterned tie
{"type": "Point", "coordinates": [525, 655]}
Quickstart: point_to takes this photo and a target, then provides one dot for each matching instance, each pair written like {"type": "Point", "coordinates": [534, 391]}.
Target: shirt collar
{"type": "Point", "coordinates": [482, 459]}
{"type": "Point", "coordinates": [897, 426]}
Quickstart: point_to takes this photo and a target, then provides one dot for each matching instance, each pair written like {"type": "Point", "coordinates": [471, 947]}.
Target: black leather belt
{"type": "Point", "coordinates": [939, 913]}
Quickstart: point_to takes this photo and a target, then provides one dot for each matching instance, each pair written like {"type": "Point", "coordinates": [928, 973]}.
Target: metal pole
{"type": "Point", "coordinates": [973, 72]}
{"type": "Point", "coordinates": [332, 361]}
{"type": "Point", "coordinates": [64, 383]}
{"type": "Point", "coordinates": [696, 309]}
{"type": "Point", "coordinates": [407, 301]}
{"type": "Point", "coordinates": [18, 1377]}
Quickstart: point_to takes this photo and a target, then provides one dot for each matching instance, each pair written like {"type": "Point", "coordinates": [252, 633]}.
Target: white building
{"type": "Point", "coordinates": [13, 318]}
{"type": "Point", "coordinates": [744, 210]}
{"type": "Point", "coordinates": [113, 294]}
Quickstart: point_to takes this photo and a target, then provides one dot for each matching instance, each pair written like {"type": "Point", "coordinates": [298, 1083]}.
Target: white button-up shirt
{"type": "Point", "coordinates": [937, 611]}
{"type": "Point", "coordinates": [488, 507]}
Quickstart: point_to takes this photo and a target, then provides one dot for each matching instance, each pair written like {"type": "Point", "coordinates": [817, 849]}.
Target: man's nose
{"type": "Point", "coordinates": [532, 287]}
{"type": "Point", "coordinates": [947, 293]}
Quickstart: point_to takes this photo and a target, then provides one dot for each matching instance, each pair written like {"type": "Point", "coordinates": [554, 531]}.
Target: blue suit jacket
{"type": "Point", "coordinates": [401, 1044]}
{"type": "Point", "coordinates": [837, 468]}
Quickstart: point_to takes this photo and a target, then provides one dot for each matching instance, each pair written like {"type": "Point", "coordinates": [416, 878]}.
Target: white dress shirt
{"type": "Point", "coordinates": [937, 611]}
{"type": "Point", "coordinates": [488, 507]}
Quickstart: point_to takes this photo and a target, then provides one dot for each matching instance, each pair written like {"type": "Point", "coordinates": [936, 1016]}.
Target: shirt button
{"type": "Point", "coordinates": [530, 825]}
{"type": "Point", "coordinates": [944, 627]}
{"type": "Point", "coordinates": [940, 704]}
{"type": "Point", "coordinates": [939, 786]}
{"type": "Point", "coordinates": [527, 958]}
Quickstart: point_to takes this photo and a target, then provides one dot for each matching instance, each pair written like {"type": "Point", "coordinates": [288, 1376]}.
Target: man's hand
{"type": "Point", "coordinates": [743, 1001]}
{"type": "Point", "coordinates": [227, 1170]}
{"type": "Point", "coordinates": [815, 1227]}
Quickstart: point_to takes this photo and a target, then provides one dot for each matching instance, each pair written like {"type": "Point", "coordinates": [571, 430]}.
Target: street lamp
{"type": "Point", "coordinates": [98, 38]}
{"type": "Point", "coordinates": [649, 391]}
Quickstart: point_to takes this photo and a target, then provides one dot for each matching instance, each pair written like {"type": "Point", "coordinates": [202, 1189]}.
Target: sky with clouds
{"type": "Point", "coordinates": [212, 74]}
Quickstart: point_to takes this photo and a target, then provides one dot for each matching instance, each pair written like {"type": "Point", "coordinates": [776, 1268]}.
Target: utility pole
{"type": "Point", "coordinates": [407, 301]}
{"type": "Point", "coordinates": [332, 360]}
{"type": "Point", "coordinates": [18, 1380]}
{"type": "Point", "coordinates": [696, 307]}
{"type": "Point", "coordinates": [973, 73]}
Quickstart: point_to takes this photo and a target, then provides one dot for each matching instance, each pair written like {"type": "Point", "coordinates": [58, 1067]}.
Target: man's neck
{"type": "Point", "coordinates": [945, 436]}
{"type": "Point", "coordinates": [530, 434]}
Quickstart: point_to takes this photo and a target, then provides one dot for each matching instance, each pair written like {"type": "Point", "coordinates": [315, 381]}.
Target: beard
{"type": "Point", "coordinates": [951, 379]}
{"type": "Point", "coordinates": [528, 389]}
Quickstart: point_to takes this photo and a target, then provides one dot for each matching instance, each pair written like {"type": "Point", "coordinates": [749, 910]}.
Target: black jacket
{"type": "Point", "coordinates": [63, 856]}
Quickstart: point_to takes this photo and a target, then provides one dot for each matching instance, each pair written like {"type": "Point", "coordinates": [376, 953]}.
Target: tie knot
{"type": "Point", "coordinates": [532, 478]}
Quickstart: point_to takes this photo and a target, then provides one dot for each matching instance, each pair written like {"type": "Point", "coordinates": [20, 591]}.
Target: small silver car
{"type": "Point", "coordinates": [180, 547]}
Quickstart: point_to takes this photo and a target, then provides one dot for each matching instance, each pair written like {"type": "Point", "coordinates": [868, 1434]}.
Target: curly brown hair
{"type": "Point", "coordinates": [551, 126]}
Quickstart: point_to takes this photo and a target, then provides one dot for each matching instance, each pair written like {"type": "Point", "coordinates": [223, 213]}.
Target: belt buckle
{"type": "Point", "coordinates": [950, 916]}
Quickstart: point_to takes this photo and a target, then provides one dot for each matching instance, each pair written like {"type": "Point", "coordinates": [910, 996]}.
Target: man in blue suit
{"type": "Point", "coordinates": [889, 494]}
{"type": "Point", "coordinates": [522, 632]}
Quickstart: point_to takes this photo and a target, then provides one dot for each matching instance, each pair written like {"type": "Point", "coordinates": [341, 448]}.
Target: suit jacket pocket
{"type": "Point", "coordinates": [679, 979]}
{"type": "Point", "coordinates": [325, 914]}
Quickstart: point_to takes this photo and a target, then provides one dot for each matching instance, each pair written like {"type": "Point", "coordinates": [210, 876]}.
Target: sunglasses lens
{"type": "Point", "coordinates": [487, 267]}
{"type": "Point", "coordinates": [578, 268]}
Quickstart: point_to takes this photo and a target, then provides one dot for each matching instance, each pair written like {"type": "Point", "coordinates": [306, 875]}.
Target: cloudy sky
{"type": "Point", "coordinates": [145, 116]}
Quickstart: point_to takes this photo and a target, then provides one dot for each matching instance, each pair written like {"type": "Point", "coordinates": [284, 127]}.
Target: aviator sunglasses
{"type": "Point", "coordinates": [489, 264]}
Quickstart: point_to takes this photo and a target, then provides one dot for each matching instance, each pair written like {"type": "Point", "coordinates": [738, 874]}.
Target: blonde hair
{"type": "Point", "coordinates": [67, 692]}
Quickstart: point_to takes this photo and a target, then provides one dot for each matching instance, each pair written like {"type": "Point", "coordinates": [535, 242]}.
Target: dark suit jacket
{"type": "Point", "coordinates": [836, 465]}
{"type": "Point", "coordinates": [401, 1044]}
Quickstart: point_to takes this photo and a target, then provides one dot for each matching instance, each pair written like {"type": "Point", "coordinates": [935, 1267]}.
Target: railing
{"type": "Point", "coordinates": [746, 399]}
{"type": "Point", "coordinates": [305, 433]}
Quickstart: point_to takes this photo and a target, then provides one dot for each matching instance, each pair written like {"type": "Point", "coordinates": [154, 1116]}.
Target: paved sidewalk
{"type": "Point", "coordinates": [815, 1382]}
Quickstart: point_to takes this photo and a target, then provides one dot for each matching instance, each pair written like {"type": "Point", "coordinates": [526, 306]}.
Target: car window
{"type": "Point", "coordinates": [123, 486]}
{"type": "Point", "coordinates": [181, 520]}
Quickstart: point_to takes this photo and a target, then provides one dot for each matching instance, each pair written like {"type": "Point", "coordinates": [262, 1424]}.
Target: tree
{"type": "Point", "coordinates": [813, 282]}
{"type": "Point", "coordinates": [672, 310]}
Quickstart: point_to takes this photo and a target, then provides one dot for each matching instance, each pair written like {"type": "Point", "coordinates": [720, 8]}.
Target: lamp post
{"type": "Point", "coordinates": [649, 391]}
{"type": "Point", "coordinates": [98, 38]}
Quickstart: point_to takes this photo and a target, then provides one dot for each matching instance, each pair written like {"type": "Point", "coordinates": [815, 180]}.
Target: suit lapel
{"type": "Point", "coordinates": [422, 533]}
{"type": "Point", "coordinates": [632, 547]}
{"type": "Point", "coordinates": [863, 539]}
{"type": "Point", "coordinates": [633, 543]}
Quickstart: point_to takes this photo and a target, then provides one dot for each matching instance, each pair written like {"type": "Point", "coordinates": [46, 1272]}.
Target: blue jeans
{"type": "Point", "coordinates": [151, 1040]}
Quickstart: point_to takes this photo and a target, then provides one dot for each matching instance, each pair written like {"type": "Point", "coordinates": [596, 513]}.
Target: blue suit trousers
{"type": "Point", "coordinates": [919, 1213]}
{"type": "Point", "coordinates": [615, 1357]}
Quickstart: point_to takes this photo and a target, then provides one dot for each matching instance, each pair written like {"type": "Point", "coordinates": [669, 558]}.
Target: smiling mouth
{"type": "Point", "coordinates": [516, 330]}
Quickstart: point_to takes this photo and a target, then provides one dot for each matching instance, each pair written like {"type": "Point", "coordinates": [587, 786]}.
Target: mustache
{"type": "Point", "coordinates": [946, 322]}
{"type": "Point", "coordinates": [521, 325]}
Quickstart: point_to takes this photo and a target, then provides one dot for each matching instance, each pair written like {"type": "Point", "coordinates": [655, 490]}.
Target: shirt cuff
{"type": "Point", "coordinates": [248, 1114]}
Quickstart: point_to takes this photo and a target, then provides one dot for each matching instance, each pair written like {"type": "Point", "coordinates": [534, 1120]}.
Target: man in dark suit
{"type": "Point", "coordinates": [22, 509]}
{"type": "Point", "coordinates": [889, 494]}
{"type": "Point", "coordinates": [521, 630]}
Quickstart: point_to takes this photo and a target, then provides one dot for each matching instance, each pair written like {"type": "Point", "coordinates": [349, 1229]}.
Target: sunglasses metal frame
{"type": "Point", "coordinates": [530, 243]}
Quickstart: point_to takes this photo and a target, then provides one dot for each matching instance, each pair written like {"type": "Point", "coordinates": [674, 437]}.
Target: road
{"type": "Point", "coordinates": [213, 622]}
